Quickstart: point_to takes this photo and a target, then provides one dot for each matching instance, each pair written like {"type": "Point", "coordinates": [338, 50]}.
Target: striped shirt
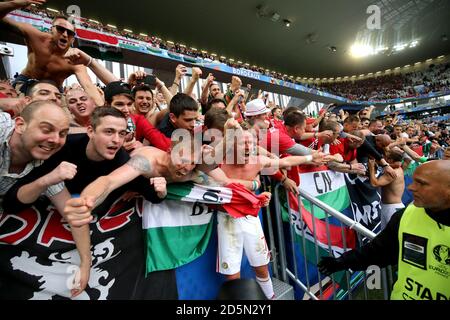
{"type": "Point", "coordinates": [7, 179]}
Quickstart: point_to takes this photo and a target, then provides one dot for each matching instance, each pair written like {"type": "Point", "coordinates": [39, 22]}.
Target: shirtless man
{"type": "Point", "coordinates": [391, 188]}
{"type": "Point", "coordinates": [247, 232]}
{"type": "Point", "coordinates": [49, 54]}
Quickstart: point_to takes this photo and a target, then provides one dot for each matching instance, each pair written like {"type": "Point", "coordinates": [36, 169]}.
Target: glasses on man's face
{"type": "Point", "coordinates": [61, 30]}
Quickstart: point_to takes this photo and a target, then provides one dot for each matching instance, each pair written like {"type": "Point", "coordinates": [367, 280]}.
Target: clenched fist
{"type": "Point", "coordinates": [160, 185]}
{"type": "Point", "coordinates": [76, 56]}
{"type": "Point", "coordinates": [65, 171]}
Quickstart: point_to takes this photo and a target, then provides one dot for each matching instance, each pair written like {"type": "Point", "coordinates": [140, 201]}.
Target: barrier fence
{"type": "Point", "coordinates": [298, 242]}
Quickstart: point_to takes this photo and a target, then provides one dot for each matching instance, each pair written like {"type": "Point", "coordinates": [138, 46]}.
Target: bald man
{"type": "Point", "coordinates": [37, 134]}
{"type": "Point", "coordinates": [416, 238]}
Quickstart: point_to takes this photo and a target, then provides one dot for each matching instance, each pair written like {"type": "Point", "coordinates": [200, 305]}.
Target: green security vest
{"type": "Point", "coordinates": [424, 258]}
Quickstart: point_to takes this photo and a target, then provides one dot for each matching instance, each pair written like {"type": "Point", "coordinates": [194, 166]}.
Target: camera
{"type": "Point", "coordinates": [150, 80]}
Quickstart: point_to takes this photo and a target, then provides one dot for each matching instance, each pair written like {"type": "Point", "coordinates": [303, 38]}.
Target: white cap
{"type": "Point", "coordinates": [255, 108]}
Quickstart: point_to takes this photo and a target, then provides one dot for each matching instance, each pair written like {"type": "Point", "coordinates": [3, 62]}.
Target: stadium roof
{"type": "Point", "coordinates": [254, 31]}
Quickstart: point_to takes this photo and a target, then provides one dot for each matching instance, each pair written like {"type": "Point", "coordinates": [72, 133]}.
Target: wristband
{"type": "Point", "coordinates": [309, 158]}
{"type": "Point", "coordinates": [89, 63]}
{"type": "Point", "coordinates": [176, 84]}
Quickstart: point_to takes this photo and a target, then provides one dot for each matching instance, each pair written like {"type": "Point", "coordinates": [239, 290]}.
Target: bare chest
{"type": "Point", "coordinates": [246, 172]}
{"type": "Point", "coordinates": [43, 64]}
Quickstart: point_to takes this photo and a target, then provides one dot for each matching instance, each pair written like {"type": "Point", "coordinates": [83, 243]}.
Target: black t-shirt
{"type": "Point", "coordinates": [166, 127]}
{"type": "Point", "coordinates": [74, 151]}
{"type": "Point", "coordinates": [367, 149]}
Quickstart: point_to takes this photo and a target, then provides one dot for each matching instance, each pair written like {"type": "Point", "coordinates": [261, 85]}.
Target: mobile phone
{"type": "Point", "coordinates": [150, 80]}
{"type": "Point", "coordinates": [188, 72]}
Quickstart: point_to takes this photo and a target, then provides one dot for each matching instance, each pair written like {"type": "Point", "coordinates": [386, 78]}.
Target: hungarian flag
{"type": "Point", "coordinates": [97, 37]}
{"type": "Point", "coordinates": [25, 17]}
{"type": "Point", "coordinates": [154, 49]}
{"type": "Point", "coordinates": [330, 188]}
{"type": "Point", "coordinates": [310, 226]}
{"type": "Point", "coordinates": [174, 55]}
{"type": "Point", "coordinates": [190, 59]}
{"type": "Point", "coordinates": [100, 50]}
{"type": "Point", "coordinates": [178, 230]}
{"type": "Point", "coordinates": [129, 44]}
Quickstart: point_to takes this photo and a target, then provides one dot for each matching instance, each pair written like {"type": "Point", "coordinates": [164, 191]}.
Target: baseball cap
{"type": "Point", "coordinates": [255, 108]}
{"type": "Point", "coordinates": [115, 88]}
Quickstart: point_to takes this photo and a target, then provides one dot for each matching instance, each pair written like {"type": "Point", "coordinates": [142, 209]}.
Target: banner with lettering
{"type": "Point", "coordinates": [312, 237]}
{"type": "Point", "coordinates": [365, 202]}
{"type": "Point", "coordinates": [38, 257]}
{"type": "Point", "coordinates": [178, 230]}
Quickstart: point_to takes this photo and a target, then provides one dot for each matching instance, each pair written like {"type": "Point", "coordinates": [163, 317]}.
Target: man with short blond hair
{"type": "Point", "coordinates": [81, 106]}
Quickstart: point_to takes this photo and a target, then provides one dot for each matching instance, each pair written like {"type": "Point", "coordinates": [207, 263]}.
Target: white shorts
{"type": "Point", "coordinates": [387, 211]}
{"type": "Point", "coordinates": [236, 235]}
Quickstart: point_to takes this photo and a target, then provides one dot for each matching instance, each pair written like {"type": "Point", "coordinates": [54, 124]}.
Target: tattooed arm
{"type": "Point", "coordinates": [103, 186]}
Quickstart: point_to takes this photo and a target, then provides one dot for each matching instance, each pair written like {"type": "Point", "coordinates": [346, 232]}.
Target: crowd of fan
{"type": "Point", "coordinates": [435, 79]}
{"type": "Point", "coordinates": [162, 44]}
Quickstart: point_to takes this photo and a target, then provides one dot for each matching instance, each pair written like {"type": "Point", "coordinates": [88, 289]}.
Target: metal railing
{"type": "Point", "coordinates": [347, 285]}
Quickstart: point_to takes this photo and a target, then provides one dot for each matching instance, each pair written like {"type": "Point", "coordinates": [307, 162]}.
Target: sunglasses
{"type": "Point", "coordinates": [61, 30]}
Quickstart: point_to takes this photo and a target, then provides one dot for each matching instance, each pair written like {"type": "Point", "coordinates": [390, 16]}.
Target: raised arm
{"type": "Point", "coordinates": [414, 155]}
{"type": "Point", "coordinates": [180, 71]}
{"type": "Point", "coordinates": [24, 29]}
{"type": "Point", "coordinates": [81, 62]}
{"type": "Point", "coordinates": [369, 112]}
{"type": "Point", "coordinates": [293, 161]}
{"type": "Point", "coordinates": [196, 74]}
{"type": "Point", "coordinates": [238, 95]}
{"type": "Point", "coordinates": [205, 90]}
{"type": "Point", "coordinates": [163, 89]}
{"type": "Point", "coordinates": [88, 86]}
{"type": "Point", "coordinates": [382, 181]}
{"type": "Point", "coordinates": [103, 186]}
